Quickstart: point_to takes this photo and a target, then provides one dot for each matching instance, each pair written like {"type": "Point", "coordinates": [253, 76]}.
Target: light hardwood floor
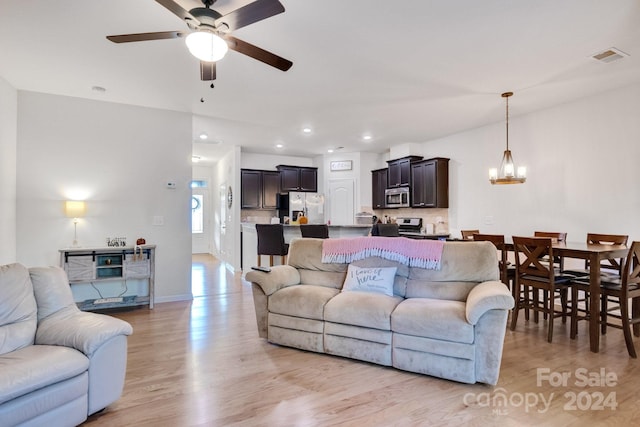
{"type": "Point", "coordinates": [201, 363]}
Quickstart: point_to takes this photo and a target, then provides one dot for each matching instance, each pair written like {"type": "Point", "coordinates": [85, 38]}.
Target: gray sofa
{"type": "Point", "coordinates": [57, 364]}
{"type": "Point", "coordinates": [449, 323]}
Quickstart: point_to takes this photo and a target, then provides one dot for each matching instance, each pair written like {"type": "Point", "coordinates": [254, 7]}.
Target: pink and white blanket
{"type": "Point", "coordinates": [412, 252]}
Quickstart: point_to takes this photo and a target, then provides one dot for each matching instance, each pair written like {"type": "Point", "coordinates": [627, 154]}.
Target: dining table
{"type": "Point", "coordinates": [594, 253]}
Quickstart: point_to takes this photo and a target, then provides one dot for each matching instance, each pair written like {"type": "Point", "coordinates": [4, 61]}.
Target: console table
{"type": "Point", "coordinates": [90, 267]}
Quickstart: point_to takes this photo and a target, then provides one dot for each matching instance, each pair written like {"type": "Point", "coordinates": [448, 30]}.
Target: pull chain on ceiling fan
{"type": "Point", "coordinates": [210, 39]}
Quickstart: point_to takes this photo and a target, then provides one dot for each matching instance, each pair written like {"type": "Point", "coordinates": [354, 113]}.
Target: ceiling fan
{"type": "Point", "coordinates": [210, 38]}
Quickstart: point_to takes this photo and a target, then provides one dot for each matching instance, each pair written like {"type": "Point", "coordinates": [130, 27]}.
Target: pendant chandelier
{"type": "Point", "coordinates": [507, 174]}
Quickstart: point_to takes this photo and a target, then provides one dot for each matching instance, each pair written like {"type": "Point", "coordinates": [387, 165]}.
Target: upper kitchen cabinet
{"type": "Point", "coordinates": [430, 183]}
{"type": "Point", "coordinates": [400, 171]}
{"type": "Point", "coordinates": [259, 189]}
{"type": "Point", "coordinates": [270, 189]}
{"type": "Point", "coordinates": [378, 185]}
{"type": "Point", "coordinates": [298, 178]}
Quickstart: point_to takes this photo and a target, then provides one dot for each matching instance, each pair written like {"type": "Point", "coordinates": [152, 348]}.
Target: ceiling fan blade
{"type": "Point", "coordinates": [177, 10]}
{"type": "Point", "coordinates": [140, 37]}
{"type": "Point", "coordinates": [207, 71]}
{"type": "Point", "coordinates": [257, 53]}
{"type": "Point", "coordinates": [253, 12]}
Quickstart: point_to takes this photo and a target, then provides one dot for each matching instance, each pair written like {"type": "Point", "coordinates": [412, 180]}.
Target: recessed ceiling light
{"type": "Point", "coordinates": [330, 150]}
{"type": "Point", "coordinates": [279, 145]}
{"type": "Point", "coordinates": [367, 137]}
{"type": "Point", "coordinates": [306, 130]}
{"type": "Point", "coordinates": [203, 136]}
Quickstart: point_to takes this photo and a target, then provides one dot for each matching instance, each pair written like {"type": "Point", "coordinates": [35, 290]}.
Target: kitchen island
{"type": "Point", "coordinates": [250, 239]}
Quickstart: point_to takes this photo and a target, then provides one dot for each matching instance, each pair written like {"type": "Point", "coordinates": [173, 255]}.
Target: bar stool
{"type": "Point", "coordinates": [386, 230]}
{"type": "Point", "coordinates": [271, 242]}
{"type": "Point", "coordinates": [318, 231]}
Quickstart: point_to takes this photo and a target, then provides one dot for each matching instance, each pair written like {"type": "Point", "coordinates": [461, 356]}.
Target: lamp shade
{"type": "Point", "coordinates": [75, 208]}
{"type": "Point", "coordinates": [206, 46]}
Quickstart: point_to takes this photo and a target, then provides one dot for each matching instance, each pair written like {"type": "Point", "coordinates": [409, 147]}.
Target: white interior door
{"type": "Point", "coordinates": [341, 202]}
{"type": "Point", "coordinates": [200, 213]}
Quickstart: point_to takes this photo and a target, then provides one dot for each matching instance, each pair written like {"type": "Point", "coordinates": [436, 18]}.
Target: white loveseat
{"type": "Point", "coordinates": [57, 364]}
{"type": "Point", "coordinates": [448, 323]}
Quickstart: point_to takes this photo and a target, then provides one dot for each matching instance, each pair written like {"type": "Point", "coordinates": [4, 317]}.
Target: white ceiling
{"type": "Point", "coordinates": [401, 71]}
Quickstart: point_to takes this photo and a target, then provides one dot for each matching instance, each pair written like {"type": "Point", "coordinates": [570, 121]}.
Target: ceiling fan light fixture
{"type": "Point", "coordinates": [206, 46]}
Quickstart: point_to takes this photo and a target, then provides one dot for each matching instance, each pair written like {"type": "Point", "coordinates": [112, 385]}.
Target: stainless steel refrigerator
{"type": "Point", "coordinates": [311, 204]}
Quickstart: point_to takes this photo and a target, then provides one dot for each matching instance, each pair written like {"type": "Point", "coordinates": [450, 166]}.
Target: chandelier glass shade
{"type": "Point", "coordinates": [507, 173]}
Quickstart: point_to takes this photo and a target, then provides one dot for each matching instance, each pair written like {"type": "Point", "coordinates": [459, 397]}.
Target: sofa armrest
{"type": "Point", "coordinates": [487, 296]}
{"type": "Point", "coordinates": [280, 277]}
{"type": "Point", "coordinates": [84, 331]}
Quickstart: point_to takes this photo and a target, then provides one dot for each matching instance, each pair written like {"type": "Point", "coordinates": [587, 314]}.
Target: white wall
{"type": "Point", "coordinates": [581, 163]}
{"type": "Point", "coordinates": [227, 221]}
{"type": "Point", "coordinates": [116, 157]}
{"type": "Point", "coordinates": [8, 141]}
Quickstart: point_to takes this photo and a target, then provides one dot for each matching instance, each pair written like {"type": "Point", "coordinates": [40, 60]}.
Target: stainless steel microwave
{"type": "Point", "coordinates": [396, 197]}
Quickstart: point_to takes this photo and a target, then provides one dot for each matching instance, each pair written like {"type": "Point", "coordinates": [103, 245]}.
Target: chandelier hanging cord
{"type": "Point", "coordinates": [506, 95]}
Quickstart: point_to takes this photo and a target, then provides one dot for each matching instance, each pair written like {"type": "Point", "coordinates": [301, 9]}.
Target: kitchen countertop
{"type": "Point", "coordinates": [252, 224]}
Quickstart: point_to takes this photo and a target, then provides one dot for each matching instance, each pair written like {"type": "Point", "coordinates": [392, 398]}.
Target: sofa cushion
{"type": "Point", "coordinates": [369, 310]}
{"type": "Point", "coordinates": [18, 311]}
{"type": "Point", "coordinates": [463, 265]}
{"type": "Point", "coordinates": [328, 279]}
{"type": "Point", "coordinates": [305, 301]}
{"type": "Point", "coordinates": [307, 254]}
{"type": "Point", "coordinates": [432, 318]}
{"type": "Point", "coordinates": [370, 279]}
{"type": "Point", "coordinates": [51, 289]}
{"type": "Point", "coordinates": [38, 366]}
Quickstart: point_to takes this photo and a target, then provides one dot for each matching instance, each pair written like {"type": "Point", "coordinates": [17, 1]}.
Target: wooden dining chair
{"type": "Point", "coordinates": [507, 270]}
{"type": "Point", "coordinates": [533, 277]}
{"type": "Point", "coordinates": [619, 290]}
{"type": "Point", "coordinates": [607, 266]}
{"type": "Point", "coordinates": [556, 237]}
{"type": "Point", "coordinates": [468, 234]}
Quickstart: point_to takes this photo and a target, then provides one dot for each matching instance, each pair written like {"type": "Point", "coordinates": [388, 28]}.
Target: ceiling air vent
{"type": "Point", "coordinates": [609, 55]}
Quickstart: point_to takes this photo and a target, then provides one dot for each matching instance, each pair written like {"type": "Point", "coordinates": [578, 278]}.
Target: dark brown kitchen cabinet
{"type": "Point", "coordinates": [298, 178]}
{"type": "Point", "coordinates": [430, 183]}
{"type": "Point", "coordinates": [251, 189]}
{"type": "Point", "coordinates": [378, 185]}
{"type": "Point", "coordinates": [270, 189]}
{"type": "Point", "coordinates": [400, 171]}
{"type": "Point", "coordinates": [259, 189]}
